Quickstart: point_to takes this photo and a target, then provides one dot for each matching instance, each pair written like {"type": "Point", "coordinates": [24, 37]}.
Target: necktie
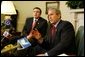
{"type": "Point", "coordinates": [34, 23]}
{"type": "Point", "coordinates": [53, 31]}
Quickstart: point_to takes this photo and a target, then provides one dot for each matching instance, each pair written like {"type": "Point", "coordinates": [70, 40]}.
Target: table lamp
{"type": "Point", "coordinates": [7, 9]}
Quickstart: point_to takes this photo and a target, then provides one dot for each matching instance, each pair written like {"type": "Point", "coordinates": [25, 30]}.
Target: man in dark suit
{"type": "Point", "coordinates": [35, 22]}
{"type": "Point", "coordinates": [31, 24]}
{"type": "Point", "coordinates": [62, 40]}
{"type": "Point", "coordinates": [41, 23]}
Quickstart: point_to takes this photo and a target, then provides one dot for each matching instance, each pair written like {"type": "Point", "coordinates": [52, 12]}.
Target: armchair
{"type": "Point", "coordinates": [80, 41]}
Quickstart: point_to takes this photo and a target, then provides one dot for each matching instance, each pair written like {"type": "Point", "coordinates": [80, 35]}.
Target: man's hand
{"type": "Point", "coordinates": [36, 34]}
{"type": "Point", "coordinates": [30, 34]}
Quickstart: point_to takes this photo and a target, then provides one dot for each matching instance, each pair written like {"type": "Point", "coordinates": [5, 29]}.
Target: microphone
{"type": "Point", "coordinates": [9, 48]}
{"type": "Point", "coordinates": [21, 44]}
{"type": "Point", "coordinates": [6, 33]}
{"type": "Point", "coordinates": [2, 39]}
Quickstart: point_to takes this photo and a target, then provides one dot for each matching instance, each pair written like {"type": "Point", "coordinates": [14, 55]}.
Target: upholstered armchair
{"type": "Point", "coordinates": [80, 41]}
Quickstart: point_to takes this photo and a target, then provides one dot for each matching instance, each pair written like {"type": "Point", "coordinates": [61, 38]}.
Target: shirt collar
{"type": "Point", "coordinates": [35, 19]}
{"type": "Point", "coordinates": [56, 23]}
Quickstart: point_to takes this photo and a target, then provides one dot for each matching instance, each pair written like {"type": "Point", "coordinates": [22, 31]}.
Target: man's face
{"type": "Point", "coordinates": [53, 17]}
{"type": "Point", "coordinates": [36, 13]}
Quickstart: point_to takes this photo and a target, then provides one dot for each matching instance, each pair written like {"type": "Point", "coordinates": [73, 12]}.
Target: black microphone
{"type": "Point", "coordinates": [2, 39]}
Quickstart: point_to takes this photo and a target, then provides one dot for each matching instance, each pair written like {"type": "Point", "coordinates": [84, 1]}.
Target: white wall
{"type": "Point", "coordinates": [75, 16]}
{"type": "Point", "coordinates": [25, 9]}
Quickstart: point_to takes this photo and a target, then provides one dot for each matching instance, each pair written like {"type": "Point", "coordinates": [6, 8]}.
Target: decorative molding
{"type": "Point", "coordinates": [77, 10]}
{"type": "Point", "coordinates": [75, 13]}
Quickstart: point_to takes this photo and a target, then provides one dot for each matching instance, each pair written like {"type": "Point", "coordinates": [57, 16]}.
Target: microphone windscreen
{"type": "Point", "coordinates": [5, 34]}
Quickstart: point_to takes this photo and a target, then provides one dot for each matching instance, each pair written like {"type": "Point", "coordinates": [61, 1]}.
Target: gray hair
{"type": "Point", "coordinates": [55, 9]}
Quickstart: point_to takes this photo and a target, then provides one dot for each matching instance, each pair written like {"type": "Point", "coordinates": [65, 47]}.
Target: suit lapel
{"type": "Point", "coordinates": [30, 24]}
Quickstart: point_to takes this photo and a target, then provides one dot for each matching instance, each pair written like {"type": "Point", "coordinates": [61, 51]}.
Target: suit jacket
{"type": "Point", "coordinates": [64, 40]}
{"type": "Point", "coordinates": [41, 25]}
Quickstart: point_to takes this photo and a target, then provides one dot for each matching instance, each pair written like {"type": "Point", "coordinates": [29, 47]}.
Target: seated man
{"type": "Point", "coordinates": [60, 37]}
{"type": "Point", "coordinates": [33, 23]}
